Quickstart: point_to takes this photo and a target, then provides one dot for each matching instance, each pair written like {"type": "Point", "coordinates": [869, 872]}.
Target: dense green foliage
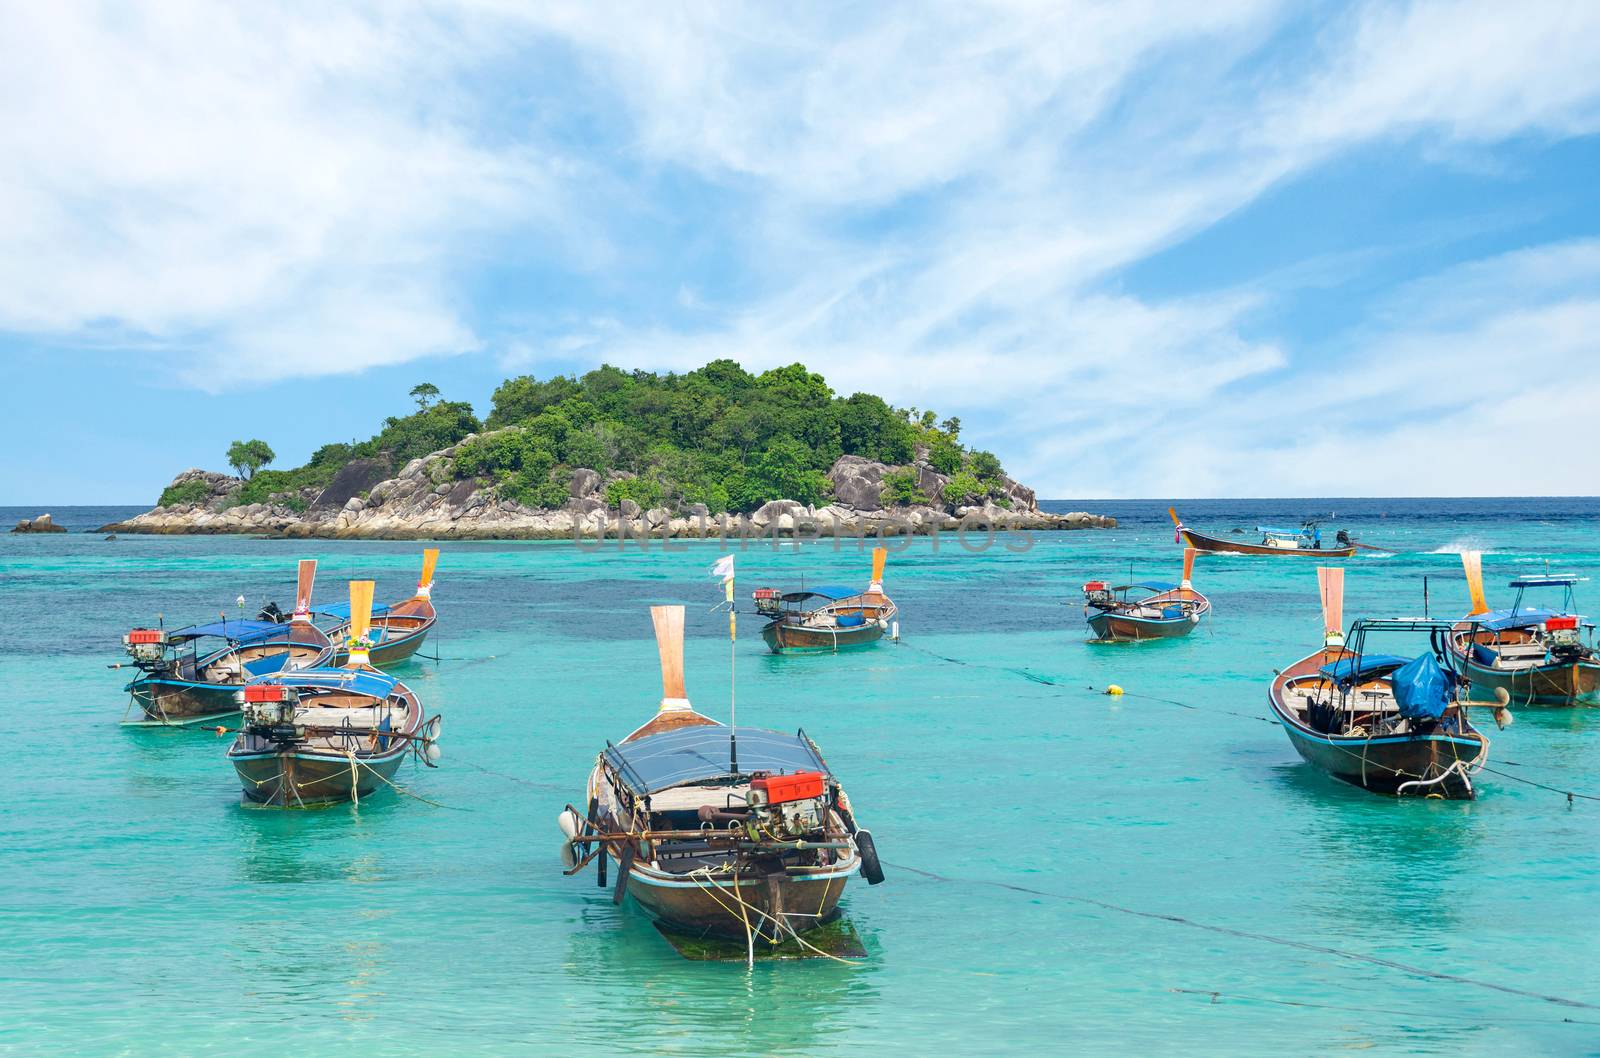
{"type": "Point", "coordinates": [188, 492]}
{"type": "Point", "coordinates": [247, 457]}
{"type": "Point", "coordinates": [718, 436]}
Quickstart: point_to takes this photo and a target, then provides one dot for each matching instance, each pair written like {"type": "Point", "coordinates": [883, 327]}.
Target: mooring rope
{"type": "Point", "coordinates": [1268, 938]}
{"type": "Point", "coordinates": [1442, 1014]}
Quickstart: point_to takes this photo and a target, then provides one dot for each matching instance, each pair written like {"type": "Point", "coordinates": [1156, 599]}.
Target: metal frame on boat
{"type": "Point", "coordinates": [1148, 610]}
{"type": "Point", "coordinates": [1538, 656]}
{"type": "Point", "coordinates": [737, 833]}
{"type": "Point", "coordinates": [183, 683]}
{"type": "Point", "coordinates": [845, 617]}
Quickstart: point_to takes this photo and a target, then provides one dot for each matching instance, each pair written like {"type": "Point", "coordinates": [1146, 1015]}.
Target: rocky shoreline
{"type": "Point", "coordinates": [427, 501]}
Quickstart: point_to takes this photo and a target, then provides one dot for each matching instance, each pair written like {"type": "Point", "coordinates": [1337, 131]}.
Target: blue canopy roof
{"type": "Point", "coordinates": [237, 631]}
{"type": "Point", "coordinates": [695, 754]}
{"type": "Point", "coordinates": [1559, 581]}
{"type": "Point", "coordinates": [1274, 531]}
{"type": "Point", "coordinates": [341, 610]}
{"type": "Point", "coordinates": [1154, 585]}
{"type": "Point", "coordinates": [1499, 620]}
{"type": "Point", "coordinates": [831, 592]}
{"type": "Point", "coordinates": [358, 681]}
{"type": "Point", "coordinates": [1346, 670]}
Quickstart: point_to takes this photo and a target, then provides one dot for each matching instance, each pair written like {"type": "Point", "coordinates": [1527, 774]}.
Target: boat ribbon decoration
{"type": "Point", "coordinates": [1330, 584]}
{"type": "Point", "coordinates": [360, 624]}
{"type": "Point", "coordinates": [430, 558]}
{"type": "Point", "coordinates": [302, 591]}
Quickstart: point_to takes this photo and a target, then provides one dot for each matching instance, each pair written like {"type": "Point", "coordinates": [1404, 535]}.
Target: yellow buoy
{"type": "Point", "coordinates": [1113, 690]}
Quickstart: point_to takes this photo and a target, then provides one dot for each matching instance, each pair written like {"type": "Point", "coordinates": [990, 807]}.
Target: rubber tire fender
{"type": "Point", "coordinates": [871, 869]}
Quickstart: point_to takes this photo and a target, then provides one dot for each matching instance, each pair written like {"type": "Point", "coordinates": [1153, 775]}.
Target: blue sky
{"type": "Point", "coordinates": [1234, 249]}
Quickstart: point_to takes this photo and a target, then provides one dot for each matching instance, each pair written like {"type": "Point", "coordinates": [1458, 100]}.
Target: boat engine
{"type": "Point", "coordinates": [790, 806]}
{"type": "Point", "coordinates": [270, 711]}
{"type": "Point", "coordinates": [147, 647]}
{"type": "Point", "coordinates": [769, 601]}
{"type": "Point", "coordinates": [1098, 593]}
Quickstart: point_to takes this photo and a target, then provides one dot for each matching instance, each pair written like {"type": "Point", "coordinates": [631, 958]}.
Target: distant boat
{"type": "Point", "coordinates": [733, 833]}
{"type": "Point", "coordinates": [838, 617]}
{"type": "Point", "coordinates": [398, 630]}
{"type": "Point", "coordinates": [1304, 541]}
{"type": "Point", "coordinates": [1387, 723]}
{"type": "Point", "coordinates": [1536, 655]}
{"type": "Point", "coordinates": [326, 735]}
{"type": "Point", "coordinates": [194, 675]}
{"type": "Point", "coordinates": [1145, 610]}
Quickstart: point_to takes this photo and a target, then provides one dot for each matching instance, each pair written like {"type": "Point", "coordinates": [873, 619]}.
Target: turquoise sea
{"type": "Point", "coordinates": [1156, 874]}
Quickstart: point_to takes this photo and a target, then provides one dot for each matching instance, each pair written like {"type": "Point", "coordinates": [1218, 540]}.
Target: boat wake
{"type": "Point", "coordinates": [1461, 546]}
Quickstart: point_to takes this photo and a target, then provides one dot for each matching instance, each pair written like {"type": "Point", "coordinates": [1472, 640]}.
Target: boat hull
{"type": "Point", "coordinates": [790, 638]}
{"type": "Point", "coordinates": [1120, 628]}
{"type": "Point", "coordinates": [805, 897]}
{"type": "Point", "coordinates": [1434, 764]}
{"type": "Point", "coordinates": [1215, 545]}
{"type": "Point", "coordinates": [300, 779]}
{"type": "Point", "coordinates": [391, 653]}
{"type": "Point", "coordinates": [1568, 683]}
{"type": "Point", "coordinates": [179, 703]}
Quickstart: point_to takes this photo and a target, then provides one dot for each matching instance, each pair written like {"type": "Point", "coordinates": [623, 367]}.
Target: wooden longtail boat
{"type": "Point", "coordinates": [1149, 610]}
{"type": "Point", "coordinates": [325, 735]}
{"type": "Point", "coordinates": [1305, 541]}
{"type": "Point", "coordinates": [1536, 655]}
{"type": "Point", "coordinates": [844, 618]}
{"type": "Point", "coordinates": [1389, 724]}
{"type": "Point", "coordinates": [398, 629]}
{"type": "Point", "coordinates": [736, 833]}
{"type": "Point", "coordinates": [194, 675]}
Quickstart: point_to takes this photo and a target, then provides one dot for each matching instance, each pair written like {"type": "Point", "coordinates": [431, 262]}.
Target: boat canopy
{"type": "Point", "coordinates": [696, 754]}
{"type": "Point", "coordinates": [357, 681]}
{"type": "Point", "coordinates": [1422, 689]}
{"type": "Point", "coordinates": [1349, 669]}
{"type": "Point", "coordinates": [1155, 585]}
{"type": "Point", "coordinates": [1560, 581]}
{"type": "Point", "coordinates": [234, 631]}
{"type": "Point", "coordinates": [1500, 620]}
{"type": "Point", "coordinates": [831, 592]}
{"type": "Point", "coordinates": [1271, 530]}
{"type": "Point", "coordinates": [341, 610]}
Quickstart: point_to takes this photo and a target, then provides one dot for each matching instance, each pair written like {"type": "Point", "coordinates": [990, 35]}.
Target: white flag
{"type": "Point", "coordinates": [724, 568]}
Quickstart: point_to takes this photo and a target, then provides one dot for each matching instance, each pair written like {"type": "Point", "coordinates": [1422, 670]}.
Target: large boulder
{"type": "Point", "coordinates": [584, 483]}
{"type": "Point", "coordinates": [858, 482]}
{"type": "Point", "coordinates": [353, 479]}
{"type": "Point", "coordinates": [42, 524]}
{"type": "Point", "coordinates": [932, 483]}
{"type": "Point", "coordinates": [218, 487]}
{"type": "Point", "coordinates": [1022, 498]}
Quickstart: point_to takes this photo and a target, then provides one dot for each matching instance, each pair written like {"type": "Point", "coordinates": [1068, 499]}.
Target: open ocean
{"type": "Point", "coordinates": [1115, 875]}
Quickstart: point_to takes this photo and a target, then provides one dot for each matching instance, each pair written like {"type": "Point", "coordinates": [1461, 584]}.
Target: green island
{"type": "Point", "coordinates": [716, 441]}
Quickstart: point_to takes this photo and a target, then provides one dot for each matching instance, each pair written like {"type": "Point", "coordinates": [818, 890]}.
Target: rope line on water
{"type": "Point", "coordinates": [1442, 1015]}
{"type": "Point", "coordinates": [1268, 938]}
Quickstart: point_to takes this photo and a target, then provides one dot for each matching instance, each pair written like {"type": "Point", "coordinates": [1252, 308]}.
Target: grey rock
{"type": "Point", "coordinates": [584, 483]}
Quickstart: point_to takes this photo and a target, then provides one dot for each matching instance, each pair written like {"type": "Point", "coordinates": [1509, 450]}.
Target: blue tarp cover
{"type": "Point", "coordinates": [1499, 620]}
{"type": "Point", "coordinates": [238, 631]}
{"type": "Point", "coordinates": [1345, 671]}
{"type": "Point", "coordinates": [1422, 689]}
{"type": "Point", "coordinates": [695, 754]}
{"type": "Point", "coordinates": [831, 592]}
{"type": "Point", "coordinates": [1545, 582]}
{"type": "Point", "coordinates": [357, 681]}
{"type": "Point", "coordinates": [341, 610]}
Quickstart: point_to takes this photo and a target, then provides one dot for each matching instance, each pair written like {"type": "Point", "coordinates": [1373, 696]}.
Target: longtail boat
{"type": "Point", "coordinates": [737, 833]}
{"type": "Point", "coordinates": [830, 618]}
{"type": "Point", "coordinates": [1387, 723]}
{"type": "Point", "coordinates": [1535, 654]}
{"type": "Point", "coordinates": [397, 630]}
{"type": "Point", "coordinates": [1146, 610]}
{"type": "Point", "coordinates": [1304, 541]}
{"type": "Point", "coordinates": [193, 675]}
{"type": "Point", "coordinates": [325, 735]}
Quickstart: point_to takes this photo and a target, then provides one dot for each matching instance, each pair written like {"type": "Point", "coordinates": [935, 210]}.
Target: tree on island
{"type": "Point", "coordinates": [247, 457]}
{"type": "Point", "coordinates": [424, 393]}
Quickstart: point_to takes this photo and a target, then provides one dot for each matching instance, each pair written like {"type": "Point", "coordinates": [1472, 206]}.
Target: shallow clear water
{"type": "Point", "coordinates": [144, 911]}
